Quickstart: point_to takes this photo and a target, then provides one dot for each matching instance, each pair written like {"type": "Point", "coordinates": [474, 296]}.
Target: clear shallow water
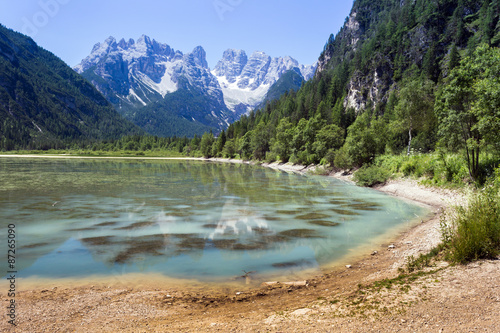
{"type": "Point", "coordinates": [183, 219]}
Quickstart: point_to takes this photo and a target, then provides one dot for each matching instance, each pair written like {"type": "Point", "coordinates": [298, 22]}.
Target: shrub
{"type": "Point", "coordinates": [409, 167]}
{"type": "Point", "coordinates": [342, 160]}
{"type": "Point", "coordinates": [474, 231]}
{"type": "Point", "coordinates": [271, 157]}
{"type": "Point", "coordinates": [329, 158]}
{"type": "Point", "coordinates": [371, 175]}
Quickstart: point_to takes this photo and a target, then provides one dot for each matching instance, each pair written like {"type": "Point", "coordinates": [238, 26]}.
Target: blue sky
{"type": "Point", "coordinates": [70, 28]}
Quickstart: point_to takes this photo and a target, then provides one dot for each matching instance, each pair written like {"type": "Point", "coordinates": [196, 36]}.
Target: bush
{"type": "Point", "coordinates": [474, 232]}
{"type": "Point", "coordinates": [329, 158]}
{"type": "Point", "coordinates": [271, 157]}
{"type": "Point", "coordinates": [409, 167]}
{"type": "Point", "coordinates": [342, 160]}
{"type": "Point", "coordinates": [371, 175]}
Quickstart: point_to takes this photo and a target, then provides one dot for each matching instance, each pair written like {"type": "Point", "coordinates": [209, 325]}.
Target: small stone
{"type": "Point", "coordinates": [296, 283]}
{"type": "Point", "coordinates": [348, 266]}
{"type": "Point", "coordinates": [270, 283]}
{"type": "Point", "coordinates": [300, 312]}
{"type": "Point", "coordinates": [392, 246]}
{"type": "Point", "coordinates": [374, 253]}
{"type": "Point", "coordinates": [238, 293]}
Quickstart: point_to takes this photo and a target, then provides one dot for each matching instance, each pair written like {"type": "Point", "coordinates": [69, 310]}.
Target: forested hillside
{"type": "Point", "coordinates": [399, 77]}
{"type": "Point", "coordinates": [45, 104]}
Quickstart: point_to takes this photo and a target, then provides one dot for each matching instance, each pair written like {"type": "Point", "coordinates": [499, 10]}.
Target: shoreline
{"type": "Point", "coordinates": [155, 307]}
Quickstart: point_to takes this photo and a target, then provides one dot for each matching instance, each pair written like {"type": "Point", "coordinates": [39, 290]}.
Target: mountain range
{"type": "Point", "coordinates": [170, 93]}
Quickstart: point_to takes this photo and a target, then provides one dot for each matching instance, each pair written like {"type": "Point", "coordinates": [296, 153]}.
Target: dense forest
{"type": "Point", "coordinates": [399, 77]}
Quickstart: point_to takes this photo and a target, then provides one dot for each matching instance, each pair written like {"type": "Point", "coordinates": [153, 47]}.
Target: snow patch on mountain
{"type": "Point", "coordinates": [235, 96]}
{"type": "Point", "coordinates": [168, 82]}
{"type": "Point", "coordinates": [246, 80]}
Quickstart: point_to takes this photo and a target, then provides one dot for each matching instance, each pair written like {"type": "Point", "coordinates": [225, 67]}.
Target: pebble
{"type": "Point", "coordinates": [300, 312]}
{"type": "Point", "coordinates": [392, 246]}
{"type": "Point", "coordinates": [296, 283]}
{"type": "Point", "coordinates": [374, 253]}
{"type": "Point", "coordinates": [348, 266]}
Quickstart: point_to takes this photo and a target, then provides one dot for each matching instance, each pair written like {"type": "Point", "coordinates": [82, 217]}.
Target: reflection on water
{"type": "Point", "coordinates": [186, 219]}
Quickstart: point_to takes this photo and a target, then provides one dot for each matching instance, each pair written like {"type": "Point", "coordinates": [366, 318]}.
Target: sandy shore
{"type": "Point", "coordinates": [452, 299]}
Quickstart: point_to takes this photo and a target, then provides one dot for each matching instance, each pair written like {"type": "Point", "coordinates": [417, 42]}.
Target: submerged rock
{"type": "Point", "coordinates": [301, 233]}
{"type": "Point", "coordinates": [344, 211]}
{"type": "Point", "coordinates": [324, 223]}
{"type": "Point", "coordinates": [313, 216]}
{"type": "Point", "coordinates": [106, 224]}
{"type": "Point", "coordinates": [104, 240]}
{"type": "Point", "coordinates": [290, 264]}
{"type": "Point", "coordinates": [137, 225]}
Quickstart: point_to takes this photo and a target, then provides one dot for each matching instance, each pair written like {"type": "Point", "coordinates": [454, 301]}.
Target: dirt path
{"type": "Point", "coordinates": [452, 299]}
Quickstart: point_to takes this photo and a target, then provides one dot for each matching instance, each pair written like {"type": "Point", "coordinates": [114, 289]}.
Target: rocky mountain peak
{"type": "Point", "coordinates": [231, 65]}
{"type": "Point", "coordinates": [246, 80]}
{"type": "Point", "coordinates": [199, 57]}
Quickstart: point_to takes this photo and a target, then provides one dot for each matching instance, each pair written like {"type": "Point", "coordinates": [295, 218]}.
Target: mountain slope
{"type": "Point", "coordinates": [384, 41]}
{"type": "Point", "coordinates": [375, 85]}
{"type": "Point", "coordinates": [291, 80]}
{"type": "Point", "coordinates": [44, 103]}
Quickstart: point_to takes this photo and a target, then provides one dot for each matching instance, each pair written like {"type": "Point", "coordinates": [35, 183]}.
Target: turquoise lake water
{"type": "Point", "coordinates": [184, 219]}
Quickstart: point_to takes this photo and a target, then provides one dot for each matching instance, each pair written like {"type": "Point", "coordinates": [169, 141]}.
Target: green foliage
{"type": "Point", "coordinates": [244, 146]}
{"type": "Point", "coordinates": [281, 145]}
{"type": "Point", "coordinates": [438, 168]}
{"type": "Point", "coordinates": [468, 107]}
{"type": "Point", "coordinates": [415, 108]}
{"type": "Point", "coordinates": [474, 232]}
{"type": "Point", "coordinates": [423, 260]}
{"type": "Point", "coordinates": [371, 175]}
{"type": "Point", "coordinates": [361, 144]}
{"type": "Point", "coordinates": [329, 137]}
{"type": "Point", "coordinates": [229, 150]}
{"type": "Point", "coordinates": [261, 140]}
{"type": "Point", "coordinates": [454, 58]}
{"type": "Point", "coordinates": [207, 141]}
{"type": "Point", "coordinates": [219, 144]}
{"type": "Point", "coordinates": [342, 159]}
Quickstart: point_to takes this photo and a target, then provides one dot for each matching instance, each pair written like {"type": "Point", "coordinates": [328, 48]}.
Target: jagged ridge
{"type": "Point", "coordinates": [133, 75]}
